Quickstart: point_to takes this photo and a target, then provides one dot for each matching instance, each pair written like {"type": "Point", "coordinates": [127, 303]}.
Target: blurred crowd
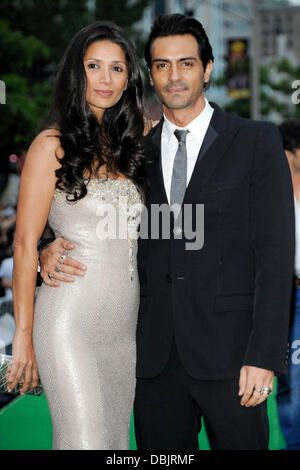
{"type": "Point", "coordinates": [9, 186]}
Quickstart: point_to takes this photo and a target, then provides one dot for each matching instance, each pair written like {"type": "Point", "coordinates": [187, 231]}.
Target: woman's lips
{"type": "Point", "coordinates": [104, 92]}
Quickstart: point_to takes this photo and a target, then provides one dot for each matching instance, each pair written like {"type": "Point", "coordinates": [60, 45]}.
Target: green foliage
{"type": "Point", "coordinates": [122, 12]}
{"type": "Point", "coordinates": [239, 106]}
{"type": "Point", "coordinates": [19, 50]}
{"type": "Point", "coordinates": [53, 22]}
{"type": "Point", "coordinates": [26, 99]}
{"type": "Point", "coordinates": [276, 90]}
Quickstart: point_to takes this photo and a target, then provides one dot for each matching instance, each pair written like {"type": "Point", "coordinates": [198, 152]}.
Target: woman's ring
{"type": "Point", "coordinates": [50, 275]}
{"type": "Point", "coordinates": [57, 269]}
{"type": "Point", "coordinates": [62, 258]}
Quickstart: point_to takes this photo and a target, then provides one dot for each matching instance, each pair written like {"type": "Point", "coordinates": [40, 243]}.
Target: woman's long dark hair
{"type": "Point", "coordinates": [119, 136]}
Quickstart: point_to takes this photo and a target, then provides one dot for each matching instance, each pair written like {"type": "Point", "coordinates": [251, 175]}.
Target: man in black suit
{"type": "Point", "coordinates": [213, 321]}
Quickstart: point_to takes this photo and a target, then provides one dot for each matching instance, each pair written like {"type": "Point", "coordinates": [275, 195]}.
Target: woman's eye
{"type": "Point", "coordinates": [161, 66]}
{"type": "Point", "coordinates": [92, 66]}
{"type": "Point", "coordinates": [117, 68]}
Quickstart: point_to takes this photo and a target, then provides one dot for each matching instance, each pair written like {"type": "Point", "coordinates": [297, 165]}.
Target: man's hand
{"type": "Point", "coordinates": [50, 258]}
{"type": "Point", "coordinates": [251, 380]}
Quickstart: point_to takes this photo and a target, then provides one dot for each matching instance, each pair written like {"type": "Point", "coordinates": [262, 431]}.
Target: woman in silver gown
{"type": "Point", "coordinates": [85, 172]}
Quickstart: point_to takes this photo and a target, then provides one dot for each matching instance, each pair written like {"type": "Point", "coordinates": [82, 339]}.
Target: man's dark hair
{"type": "Point", "coordinates": [176, 24]}
{"type": "Point", "coordinates": [290, 133]}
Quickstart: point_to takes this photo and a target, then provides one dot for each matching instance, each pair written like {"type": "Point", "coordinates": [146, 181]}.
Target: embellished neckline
{"type": "Point", "coordinates": [93, 185]}
{"type": "Point", "coordinates": [106, 179]}
{"type": "Point", "coordinates": [103, 178]}
{"type": "Point", "coordinates": [95, 182]}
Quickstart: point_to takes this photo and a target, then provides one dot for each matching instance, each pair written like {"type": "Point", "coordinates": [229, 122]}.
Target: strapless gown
{"type": "Point", "coordinates": [84, 332]}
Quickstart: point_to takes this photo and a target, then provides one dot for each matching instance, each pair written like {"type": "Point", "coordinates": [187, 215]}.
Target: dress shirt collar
{"type": "Point", "coordinates": [195, 126]}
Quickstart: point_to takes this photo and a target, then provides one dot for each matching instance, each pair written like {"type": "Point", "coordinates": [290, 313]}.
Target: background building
{"type": "Point", "coordinates": [280, 32]}
{"type": "Point", "coordinates": [231, 26]}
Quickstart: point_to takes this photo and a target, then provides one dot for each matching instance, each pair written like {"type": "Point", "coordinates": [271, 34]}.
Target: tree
{"type": "Point", "coordinates": [26, 99]}
{"type": "Point", "coordinates": [33, 35]}
{"type": "Point", "coordinates": [276, 79]}
{"type": "Point", "coordinates": [53, 22]}
{"type": "Point", "coordinates": [276, 94]}
{"type": "Point", "coordinates": [124, 13]}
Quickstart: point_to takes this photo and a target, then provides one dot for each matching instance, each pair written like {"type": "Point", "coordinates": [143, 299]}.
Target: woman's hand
{"type": "Point", "coordinates": [23, 368]}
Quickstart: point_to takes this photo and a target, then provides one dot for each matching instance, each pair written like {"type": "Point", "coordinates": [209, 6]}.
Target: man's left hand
{"type": "Point", "coordinates": [252, 380]}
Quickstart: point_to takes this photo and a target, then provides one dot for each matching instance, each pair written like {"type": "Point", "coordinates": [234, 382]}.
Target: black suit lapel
{"type": "Point", "coordinates": [155, 170]}
{"type": "Point", "coordinates": [217, 140]}
{"type": "Point", "coordinates": [209, 138]}
{"type": "Point", "coordinates": [155, 138]}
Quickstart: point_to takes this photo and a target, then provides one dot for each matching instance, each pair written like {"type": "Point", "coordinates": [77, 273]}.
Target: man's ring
{"type": "Point", "coordinates": [50, 275]}
{"type": "Point", "coordinates": [266, 391]}
{"type": "Point", "coordinates": [62, 258]}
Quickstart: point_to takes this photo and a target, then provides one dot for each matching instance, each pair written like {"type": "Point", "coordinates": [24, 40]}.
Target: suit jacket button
{"type": "Point", "coordinates": [168, 278]}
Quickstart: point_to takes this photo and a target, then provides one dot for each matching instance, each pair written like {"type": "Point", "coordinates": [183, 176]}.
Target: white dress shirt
{"type": "Point", "coordinates": [169, 144]}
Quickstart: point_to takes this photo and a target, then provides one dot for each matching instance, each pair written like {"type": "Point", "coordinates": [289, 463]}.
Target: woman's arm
{"type": "Point", "coordinates": [37, 187]}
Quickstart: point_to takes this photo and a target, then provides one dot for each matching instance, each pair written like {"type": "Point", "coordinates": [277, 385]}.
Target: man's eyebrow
{"type": "Point", "coordinates": [179, 60]}
{"type": "Point", "coordinates": [188, 58]}
{"type": "Point", "coordinates": [160, 60]}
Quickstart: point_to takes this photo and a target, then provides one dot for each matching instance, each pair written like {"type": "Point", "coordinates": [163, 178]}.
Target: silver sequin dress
{"type": "Point", "coordinates": [84, 332]}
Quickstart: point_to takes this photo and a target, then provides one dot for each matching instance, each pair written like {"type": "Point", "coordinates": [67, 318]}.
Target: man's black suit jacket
{"type": "Point", "coordinates": [228, 303]}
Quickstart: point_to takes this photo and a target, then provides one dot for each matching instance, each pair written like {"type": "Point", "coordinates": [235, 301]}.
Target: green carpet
{"type": "Point", "coordinates": [25, 425]}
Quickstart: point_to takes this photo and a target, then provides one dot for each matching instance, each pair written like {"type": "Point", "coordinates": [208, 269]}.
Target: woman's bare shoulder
{"type": "Point", "coordinates": [48, 142]}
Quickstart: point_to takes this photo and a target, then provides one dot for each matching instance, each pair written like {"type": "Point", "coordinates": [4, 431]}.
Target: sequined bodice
{"type": "Point", "coordinates": [85, 331]}
{"type": "Point", "coordinates": [102, 225]}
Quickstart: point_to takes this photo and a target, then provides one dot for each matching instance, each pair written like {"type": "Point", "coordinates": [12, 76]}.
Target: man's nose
{"type": "Point", "coordinates": [174, 74]}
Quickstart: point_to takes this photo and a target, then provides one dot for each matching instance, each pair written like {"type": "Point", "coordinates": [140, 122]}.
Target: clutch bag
{"type": "Point", "coordinates": [5, 363]}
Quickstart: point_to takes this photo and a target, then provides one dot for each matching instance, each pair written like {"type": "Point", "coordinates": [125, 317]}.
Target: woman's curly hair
{"type": "Point", "coordinates": [118, 137]}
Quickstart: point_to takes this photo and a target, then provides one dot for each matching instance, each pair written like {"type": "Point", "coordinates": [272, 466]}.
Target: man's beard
{"type": "Point", "coordinates": [183, 104]}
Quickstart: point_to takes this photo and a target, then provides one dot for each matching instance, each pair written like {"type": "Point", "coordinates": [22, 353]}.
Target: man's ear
{"type": "Point", "coordinates": [208, 71]}
{"type": "Point", "coordinates": [150, 77]}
